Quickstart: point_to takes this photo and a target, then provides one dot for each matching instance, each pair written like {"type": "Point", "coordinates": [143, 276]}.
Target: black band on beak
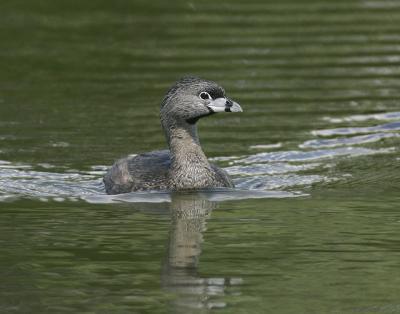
{"type": "Point", "coordinates": [228, 105]}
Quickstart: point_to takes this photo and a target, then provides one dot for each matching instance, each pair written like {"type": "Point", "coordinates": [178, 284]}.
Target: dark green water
{"type": "Point", "coordinates": [314, 226]}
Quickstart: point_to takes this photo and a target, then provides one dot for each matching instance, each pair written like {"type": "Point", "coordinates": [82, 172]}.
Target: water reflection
{"type": "Point", "coordinates": [189, 214]}
{"type": "Point", "coordinates": [263, 174]}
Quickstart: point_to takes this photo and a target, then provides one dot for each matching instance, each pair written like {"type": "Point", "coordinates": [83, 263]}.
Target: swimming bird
{"type": "Point", "coordinates": [184, 166]}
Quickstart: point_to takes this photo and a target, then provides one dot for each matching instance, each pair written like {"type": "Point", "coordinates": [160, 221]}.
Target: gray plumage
{"type": "Point", "coordinates": [184, 166]}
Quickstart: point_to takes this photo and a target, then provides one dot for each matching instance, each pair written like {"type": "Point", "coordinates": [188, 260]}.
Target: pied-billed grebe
{"type": "Point", "coordinates": [184, 166]}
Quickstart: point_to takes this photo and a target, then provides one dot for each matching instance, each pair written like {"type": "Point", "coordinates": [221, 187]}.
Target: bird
{"type": "Point", "coordinates": [183, 166]}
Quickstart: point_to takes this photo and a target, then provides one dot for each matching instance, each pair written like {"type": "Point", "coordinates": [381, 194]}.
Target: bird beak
{"type": "Point", "coordinates": [224, 105]}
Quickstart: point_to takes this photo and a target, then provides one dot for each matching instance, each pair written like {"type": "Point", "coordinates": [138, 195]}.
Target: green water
{"type": "Point", "coordinates": [314, 224]}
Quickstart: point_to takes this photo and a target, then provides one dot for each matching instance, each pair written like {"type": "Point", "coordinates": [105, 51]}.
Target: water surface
{"type": "Point", "coordinates": [312, 226]}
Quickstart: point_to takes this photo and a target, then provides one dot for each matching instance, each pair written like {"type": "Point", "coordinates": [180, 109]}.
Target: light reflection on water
{"type": "Point", "coordinates": [263, 174]}
{"type": "Point", "coordinates": [313, 224]}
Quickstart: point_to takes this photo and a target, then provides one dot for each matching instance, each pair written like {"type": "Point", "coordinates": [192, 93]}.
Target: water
{"type": "Point", "coordinates": [312, 226]}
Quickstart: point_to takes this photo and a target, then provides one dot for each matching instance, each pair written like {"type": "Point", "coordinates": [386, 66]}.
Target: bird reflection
{"type": "Point", "coordinates": [189, 213]}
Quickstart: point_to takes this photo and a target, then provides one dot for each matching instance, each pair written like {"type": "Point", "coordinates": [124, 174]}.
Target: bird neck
{"type": "Point", "coordinates": [185, 146]}
{"type": "Point", "coordinates": [189, 165]}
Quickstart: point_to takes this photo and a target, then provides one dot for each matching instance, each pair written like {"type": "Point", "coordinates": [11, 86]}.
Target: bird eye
{"type": "Point", "coordinates": [204, 95]}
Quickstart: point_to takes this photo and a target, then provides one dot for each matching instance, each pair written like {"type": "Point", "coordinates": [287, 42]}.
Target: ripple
{"type": "Point", "coordinates": [388, 127]}
{"type": "Point", "coordinates": [279, 181]}
{"type": "Point", "coordinates": [224, 158]}
{"type": "Point", "coordinates": [133, 197]}
{"type": "Point", "coordinates": [59, 144]}
{"type": "Point", "coordinates": [19, 180]}
{"type": "Point", "coordinates": [271, 169]}
{"type": "Point", "coordinates": [260, 175]}
{"type": "Point", "coordinates": [311, 155]}
{"type": "Point", "coordinates": [382, 4]}
{"type": "Point", "coordinates": [344, 141]}
{"type": "Point", "coordinates": [266, 146]}
{"type": "Point", "coordinates": [7, 137]}
{"type": "Point", "coordinates": [360, 118]}
{"type": "Point", "coordinates": [217, 195]}
{"type": "Point", "coordinates": [22, 181]}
